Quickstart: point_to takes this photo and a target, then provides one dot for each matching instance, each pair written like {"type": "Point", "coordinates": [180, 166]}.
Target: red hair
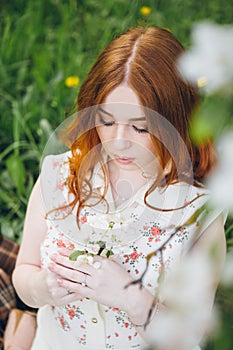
{"type": "Point", "coordinates": [145, 59]}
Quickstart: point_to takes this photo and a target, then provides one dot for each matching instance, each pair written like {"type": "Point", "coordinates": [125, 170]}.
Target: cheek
{"type": "Point", "coordinates": [147, 145]}
{"type": "Point", "coordinates": [148, 151]}
{"type": "Point", "coordinates": [105, 137]}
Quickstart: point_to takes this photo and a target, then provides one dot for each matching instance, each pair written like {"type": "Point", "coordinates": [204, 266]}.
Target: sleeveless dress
{"type": "Point", "coordinates": [133, 231]}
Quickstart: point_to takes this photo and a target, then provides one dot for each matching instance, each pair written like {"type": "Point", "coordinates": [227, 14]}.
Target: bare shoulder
{"type": "Point", "coordinates": [215, 232]}
{"type": "Point", "coordinates": [213, 241]}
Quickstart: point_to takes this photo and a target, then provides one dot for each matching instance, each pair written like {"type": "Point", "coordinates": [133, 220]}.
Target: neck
{"type": "Point", "coordinates": [125, 183]}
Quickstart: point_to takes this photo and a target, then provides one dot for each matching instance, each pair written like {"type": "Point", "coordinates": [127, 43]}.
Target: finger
{"type": "Point", "coordinates": [61, 292]}
{"type": "Point", "coordinates": [65, 251]}
{"type": "Point", "coordinates": [75, 265]}
{"type": "Point", "coordinates": [72, 297]}
{"type": "Point", "coordinates": [67, 273]}
{"type": "Point", "coordinates": [69, 297]}
{"type": "Point", "coordinates": [72, 270]}
{"type": "Point", "coordinates": [103, 263]}
{"type": "Point", "coordinates": [78, 289]}
{"type": "Point", "coordinates": [90, 269]}
{"type": "Point", "coordinates": [61, 260]}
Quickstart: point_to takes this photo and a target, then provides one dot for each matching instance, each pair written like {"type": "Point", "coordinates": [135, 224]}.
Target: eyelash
{"type": "Point", "coordinates": [140, 131]}
{"type": "Point", "coordinates": [102, 121]}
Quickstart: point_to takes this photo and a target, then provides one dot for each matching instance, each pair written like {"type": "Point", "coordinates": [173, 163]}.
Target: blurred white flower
{"type": "Point", "coordinates": [209, 62]}
{"type": "Point", "coordinates": [84, 259]}
{"type": "Point", "coordinates": [186, 291]}
{"type": "Point", "coordinates": [181, 285]}
{"type": "Point", "coordinates": [220, 182]}
{"type": "Point", "coordinates": [87, 260]}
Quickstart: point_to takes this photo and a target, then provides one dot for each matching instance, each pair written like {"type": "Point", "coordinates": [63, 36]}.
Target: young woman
{"type": "Point", "coordinates": [126, 189]}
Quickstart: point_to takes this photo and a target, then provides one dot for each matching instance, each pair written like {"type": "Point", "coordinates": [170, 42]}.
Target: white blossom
{"type": "Point", "coordinates": [186, 291]}
{"type": "Point", "coordinates": [84, 259]}
{"type": "Point", "coordinates": [220, 182]}
{"type": "Point", "coordinates": [209, 61]}
{"type": "Point", "coordinates": [87, 259]}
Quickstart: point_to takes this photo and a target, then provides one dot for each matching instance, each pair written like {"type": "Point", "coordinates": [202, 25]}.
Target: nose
{"type": "Point", "coordinates": [121, 139]}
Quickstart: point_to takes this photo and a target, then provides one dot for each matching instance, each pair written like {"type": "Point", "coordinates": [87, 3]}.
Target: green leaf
{"type": "Point", "coordinates": [109, 253]}
{"type": "Point", "coordinates": [200, 130]}
{"type": "Point", "coordinates": [74, 256]}
{"type": "Point", "coordinates": [17, 172]}
{"type": "Point", "coordinates": [210, 118]}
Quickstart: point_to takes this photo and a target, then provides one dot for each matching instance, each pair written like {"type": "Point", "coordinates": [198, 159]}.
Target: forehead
{"type": "Point", "coordinates": [123, 102]}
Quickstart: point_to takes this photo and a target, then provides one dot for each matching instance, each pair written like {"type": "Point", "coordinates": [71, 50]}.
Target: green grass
{"type": "Point", "coordinates": [42, 42]}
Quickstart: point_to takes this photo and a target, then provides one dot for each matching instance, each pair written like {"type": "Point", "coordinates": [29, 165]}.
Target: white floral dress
{"type": "Point", "coordinates": [132, 231]}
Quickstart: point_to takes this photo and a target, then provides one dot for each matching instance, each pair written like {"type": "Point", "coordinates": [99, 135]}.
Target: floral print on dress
{"type": "Point", "coordinates": [123, 322]}
{"type": "Point", "coordinates": [182, 234]}
{"type": "Point", "coordinates": [132, 260]}
{"type": "Point", "coordinates": [151, 235]}
{"type": "Point", "coordinates": [73, 311]}
{"type": "Point", "coordinates": [61, 319]}
{"type": "Point", "coordinates": [82, 339]}
{"type": "Point", "coordinates": [126, 331]}
{"type": "Point", "coordinates": [62, 242]}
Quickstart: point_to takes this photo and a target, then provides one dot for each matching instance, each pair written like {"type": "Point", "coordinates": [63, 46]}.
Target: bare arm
{"type": "Point", "coordinates": [27, 270]}
{"type": "Point", "coordinates": [35, 285]}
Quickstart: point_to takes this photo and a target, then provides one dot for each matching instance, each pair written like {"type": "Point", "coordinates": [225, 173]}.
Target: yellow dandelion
{"type": "Point", "coordinates": [72, 81]}
{"type": "Point", "coordinates": [145, 10]}
{"type": "Point", "coordinates": [202, 81]}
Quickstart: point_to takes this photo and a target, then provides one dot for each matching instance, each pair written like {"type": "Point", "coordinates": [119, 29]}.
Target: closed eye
{"type": "Point", "coordinates": [105, 123]}
{"type": "Point", "coordinates": [143, 130]}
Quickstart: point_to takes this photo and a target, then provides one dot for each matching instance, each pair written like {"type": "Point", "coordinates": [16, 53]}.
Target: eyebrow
{"type": "Point", "coordinates": [131, 119]}
{"type": "Point", "coordinates": [102, 110]}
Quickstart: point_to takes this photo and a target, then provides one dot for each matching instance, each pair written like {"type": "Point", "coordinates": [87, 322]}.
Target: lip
{"type": "Point", "coordinates": [123, 160]}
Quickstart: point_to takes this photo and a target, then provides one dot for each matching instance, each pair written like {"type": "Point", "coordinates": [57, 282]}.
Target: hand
{"type": "Point", "coordinates": [105, 285]}
{"type": "Point", "coordinates": [50, 290]}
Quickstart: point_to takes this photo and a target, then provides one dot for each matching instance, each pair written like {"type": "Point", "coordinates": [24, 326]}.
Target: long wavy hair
{"type": "Point", "coordinates": [144, 59]}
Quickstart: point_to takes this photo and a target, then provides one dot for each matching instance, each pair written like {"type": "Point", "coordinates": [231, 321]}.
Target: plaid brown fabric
{"type": "Point", "coordinates": [8, 297]}
{"type": "Point", "coordinates": [8, 254]}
